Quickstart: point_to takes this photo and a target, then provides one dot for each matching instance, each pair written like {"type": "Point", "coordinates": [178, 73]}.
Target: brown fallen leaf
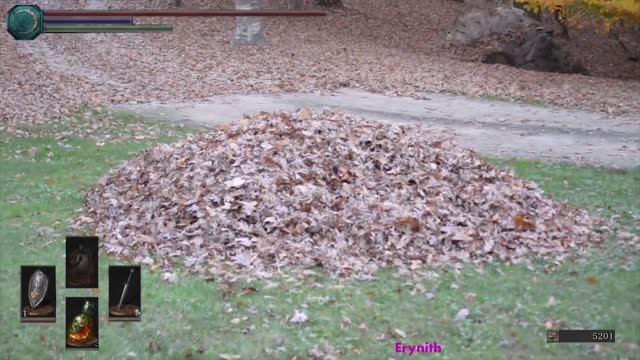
{"type": "Point", "coordinates": [522, 224]}
{"type": "Point", "coordinates": [470, 296]}
{"type": "Point", "coordinates": [281, 181]}
{"type": "Point", "coordinates": [418, 288]}
{"type": "Point", "coordinates": [270, 162]}
{"type": "Point", "coordinates": [249, 290]}
{"type": "Point", "coordinates": [306, 113]}
{"type": "Point", "coordinates": [416, 265]}
{"type": "Point", "coordinates": [591, 280]}
{"type": "Point", "coordinates": [226, 288]}
{"type": "Point", "coordinates": [43, 339]}
{"type": "Point", "coordinates": [324, 351]}
{"type": "Point", "coordinates": [412, 222]}
{"type": "Point", "coordinates": [153, 346]}
{"type": "Point", "coordinates": [347, 177]}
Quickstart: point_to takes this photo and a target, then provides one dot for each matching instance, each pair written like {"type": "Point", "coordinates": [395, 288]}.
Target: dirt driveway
{"type": "Point", "coordinates": [494, 128]}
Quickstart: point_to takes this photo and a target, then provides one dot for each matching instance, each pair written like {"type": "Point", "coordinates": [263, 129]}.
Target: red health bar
{"type": "Point", "coordinates": [180, 13]}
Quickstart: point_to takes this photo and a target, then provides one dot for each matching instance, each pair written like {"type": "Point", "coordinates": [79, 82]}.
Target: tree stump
{"type": "Point", "coordinates": [249, 29]}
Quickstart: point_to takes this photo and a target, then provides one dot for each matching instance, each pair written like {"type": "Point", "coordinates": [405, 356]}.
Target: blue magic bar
{"type": "Point", "coordinates": [88, 21]}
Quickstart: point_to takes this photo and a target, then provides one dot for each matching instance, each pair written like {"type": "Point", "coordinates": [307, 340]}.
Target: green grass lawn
{"type": "Point", "coordinates": [42, 184]}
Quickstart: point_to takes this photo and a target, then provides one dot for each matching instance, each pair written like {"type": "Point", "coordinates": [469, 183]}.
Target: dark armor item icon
{"type": "Point", "coordinates": [38, 284]}
{"type": "Point", "coordinates": [80, 266]}
{"type": "Point", "coordinates": [82, 262]}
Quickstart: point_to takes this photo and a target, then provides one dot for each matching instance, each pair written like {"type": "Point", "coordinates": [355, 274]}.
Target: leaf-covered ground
{"type": "Point", "coordinates": [502, 311]}
{"type": "Point", "coordinates": [386, 47]}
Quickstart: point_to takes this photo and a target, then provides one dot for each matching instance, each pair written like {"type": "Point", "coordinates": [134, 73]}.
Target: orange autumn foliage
{"type": "Point", "coordinates": [609, 13]}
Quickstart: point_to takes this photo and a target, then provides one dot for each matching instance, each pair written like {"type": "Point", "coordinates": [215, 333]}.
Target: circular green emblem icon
{"type": "Point", "coordinates": [25, 22]}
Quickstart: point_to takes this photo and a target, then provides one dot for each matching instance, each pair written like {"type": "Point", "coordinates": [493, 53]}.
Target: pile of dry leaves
{"type": "Point", "coordinates": [327, 190]}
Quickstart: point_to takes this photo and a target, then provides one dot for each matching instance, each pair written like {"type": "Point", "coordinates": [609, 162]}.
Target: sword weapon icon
{"type": "Point", "coordinates": [124, 290]}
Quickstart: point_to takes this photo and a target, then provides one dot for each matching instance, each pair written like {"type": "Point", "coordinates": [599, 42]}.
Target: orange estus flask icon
{"type": "Point", "coordinates": [82, 325]}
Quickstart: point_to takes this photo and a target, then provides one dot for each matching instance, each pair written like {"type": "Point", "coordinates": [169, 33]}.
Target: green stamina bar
{"type": "Point", "coordinates": [106, 28]}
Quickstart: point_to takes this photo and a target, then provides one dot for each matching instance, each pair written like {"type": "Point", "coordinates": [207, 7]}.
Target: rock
{"type": "Point", "coordinates": [484, 4]}
{"type": "Point", "coordinates": [478, 24]}
{"type": "Point", "coordinates": [510, 37]}
{"type": "Point", "coordinates": [499, 57]}
{"type": "Point", "coordinates": [537, 50]}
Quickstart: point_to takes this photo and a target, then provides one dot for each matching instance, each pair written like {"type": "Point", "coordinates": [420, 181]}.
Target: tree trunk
{"type": "Point", "coordinates": [330, 3]}
{"type": "Point", "coordinates": [249, 29]}
{"type": "Point", "coordinates": [295, 4]}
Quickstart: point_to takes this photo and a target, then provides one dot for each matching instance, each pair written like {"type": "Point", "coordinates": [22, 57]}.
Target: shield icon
{"type": "Point", "coordinates": [38, 284]}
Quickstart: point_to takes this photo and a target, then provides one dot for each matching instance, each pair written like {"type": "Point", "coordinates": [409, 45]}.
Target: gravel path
{"type": "Point", "coordinates": [495, 128]}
